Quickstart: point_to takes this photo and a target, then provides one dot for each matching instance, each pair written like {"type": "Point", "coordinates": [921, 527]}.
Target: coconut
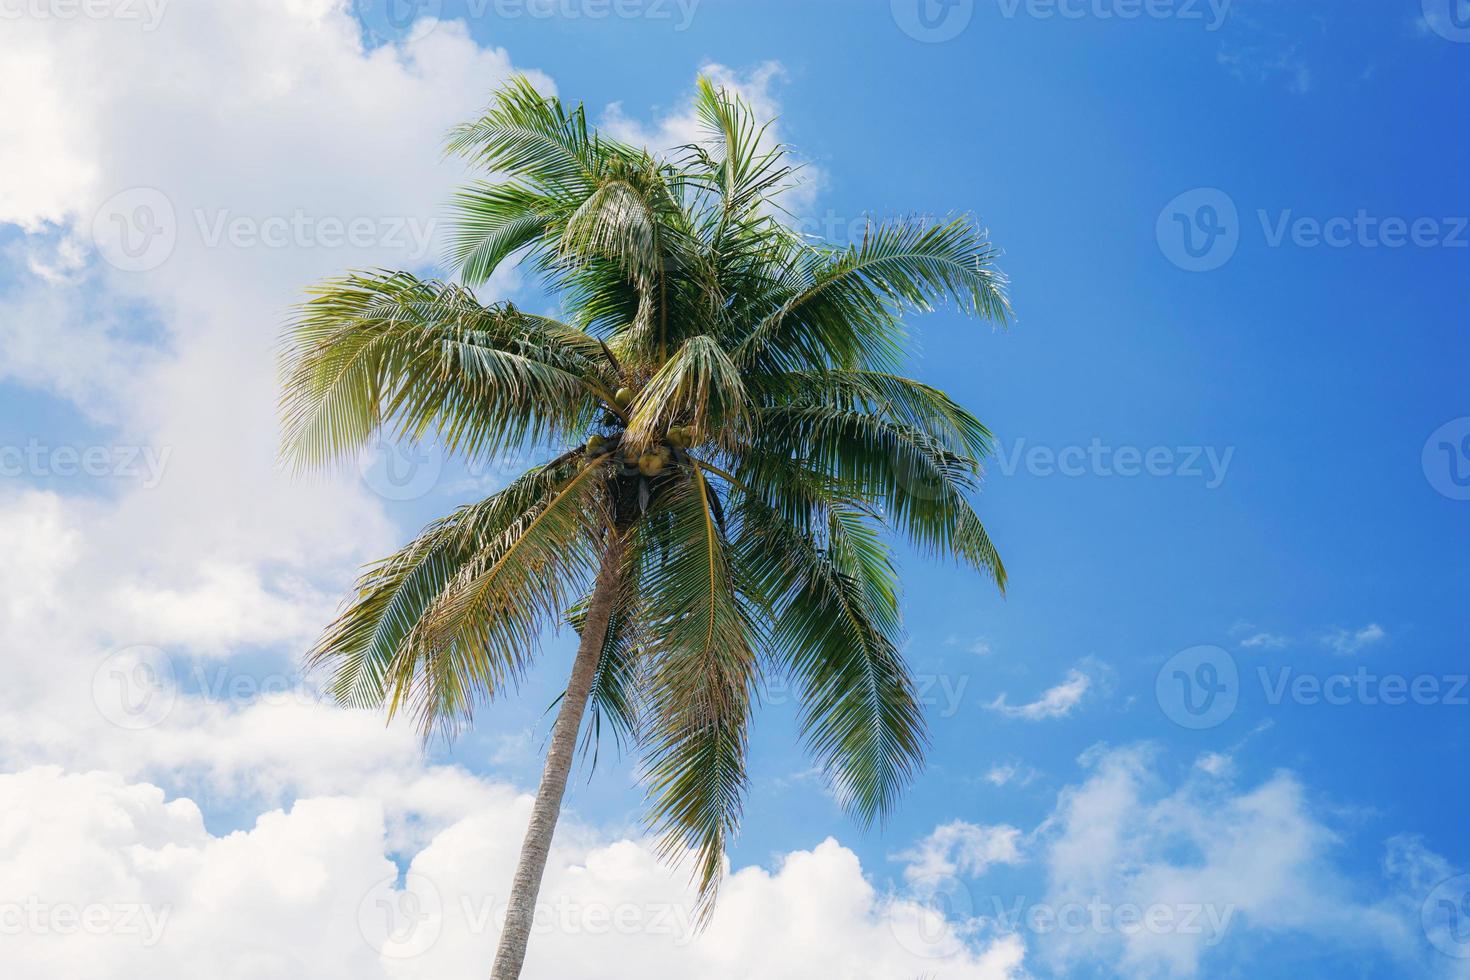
{"type": "Point", "coordinates": [595, 444]}
{"type": "Point", "coordinates": [623, 397]}
{"type": "Point", "coordinates": [651, 464]}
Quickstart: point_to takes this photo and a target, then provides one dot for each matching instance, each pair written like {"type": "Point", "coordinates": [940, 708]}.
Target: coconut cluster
{"type": "Point", "coordinates": [652, 462]}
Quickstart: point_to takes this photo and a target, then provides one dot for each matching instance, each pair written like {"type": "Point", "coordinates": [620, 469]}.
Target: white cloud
{"type": "Point", "coordinates": [960, 848]}
{"type": "Point", "coordinates": [1056, 702]}
{"type": "Point", "coordinates": [1255, 862]}
{"type": "Point", "coordinates": [270, 115]}
{"type": "Point", "coordinates": [1264, 641]}
{"type": "Point", "coordinates": [313, 891]}
{"type": "Point", "coordinates": [1348, 642]}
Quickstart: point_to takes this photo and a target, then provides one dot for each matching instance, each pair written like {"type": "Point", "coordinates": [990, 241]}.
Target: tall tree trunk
{"type": "Point", "coordinates": [527, 882]}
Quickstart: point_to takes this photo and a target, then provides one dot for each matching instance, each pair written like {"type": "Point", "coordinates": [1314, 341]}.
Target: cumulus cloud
{"type": "Point", "coordinates": [1055, 702]}
{"type": "Point", "coordinates": [236, 145]}
{"type": "Point", "coordinates": [167, 195]}
{"type": "Point", "coordinates": [314, 890]}
{"type": "Point", "coordinates": [1236, 863]}
{"type": "Point", "coordinates": [1144, 877]}
{"type": "Point", "coordinates": [960, 848]}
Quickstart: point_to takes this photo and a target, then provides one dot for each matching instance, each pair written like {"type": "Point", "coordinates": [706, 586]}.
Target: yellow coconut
{"type": "Point", "coordinates": [651, 464]}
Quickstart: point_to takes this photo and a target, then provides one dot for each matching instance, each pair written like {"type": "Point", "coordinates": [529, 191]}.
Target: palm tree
{"type": "Point", "coordinates": [742, 449]}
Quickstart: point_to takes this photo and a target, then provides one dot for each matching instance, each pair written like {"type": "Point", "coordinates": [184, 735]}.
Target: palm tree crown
{"type": "Point", "coordinates": [740, 450]}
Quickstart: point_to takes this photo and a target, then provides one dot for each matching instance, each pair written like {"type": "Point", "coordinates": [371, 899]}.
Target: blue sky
{"type": "Point", "coordinates": [1321, 371]}
{"type": "Point", "coordinates": [1231, 411]}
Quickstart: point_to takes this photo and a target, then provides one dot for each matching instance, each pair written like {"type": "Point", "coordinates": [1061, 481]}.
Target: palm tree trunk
{"type": "Point", "coordinates": [527, 882]}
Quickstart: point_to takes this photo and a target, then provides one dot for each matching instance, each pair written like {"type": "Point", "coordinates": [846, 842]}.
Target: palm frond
{"type": "Point", "coordinates": [492, 221]}
{"type": "Point", "coordinates": [702, 668]}
{"type": "Point", "coordinates": [837, 633]}
{"type": "Point", "coordinates": [840, 307]}
{"type": "Point", "coordinates": [921, 486]}
{"type": "Point", "coordinates": [420, 357]}
{"type": "Point", "coordinates": [532, 138]}
{"type": "Point", "coordinates": [374, 650]}
{"type": "Point", "coordinates": [699, 386]}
